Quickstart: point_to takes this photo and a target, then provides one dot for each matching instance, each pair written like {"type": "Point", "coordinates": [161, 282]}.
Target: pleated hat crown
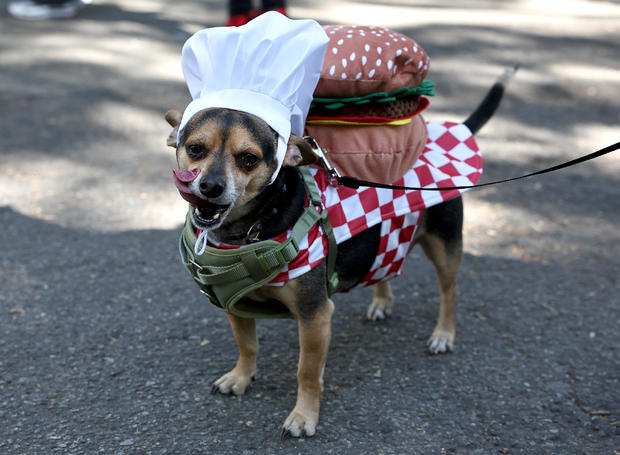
{"type": "Point", "coordinates": [268, 67]}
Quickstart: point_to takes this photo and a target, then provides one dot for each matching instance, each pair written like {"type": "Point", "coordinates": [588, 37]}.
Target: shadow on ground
{"type": "Point", "coordinates": [107, 345]}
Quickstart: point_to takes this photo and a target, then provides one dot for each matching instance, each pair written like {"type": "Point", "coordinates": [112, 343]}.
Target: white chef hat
{"type": "Point", "coordinates": [268, 67]}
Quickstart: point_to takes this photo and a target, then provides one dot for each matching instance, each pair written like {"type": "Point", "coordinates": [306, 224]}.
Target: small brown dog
{"type": "Point", "coordinates": [231, 156]}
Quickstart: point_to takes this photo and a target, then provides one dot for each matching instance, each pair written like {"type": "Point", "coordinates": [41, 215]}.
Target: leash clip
{"type": "Point", "coordinates": [321, 154]}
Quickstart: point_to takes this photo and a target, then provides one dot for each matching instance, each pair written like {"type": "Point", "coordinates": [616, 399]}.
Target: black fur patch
{"type": "Point", "coordinates": [272, 212]}
{"type": "Point", "coordinates": [356, 256]}
{"type": "Point", "coordinates": [445, 221]}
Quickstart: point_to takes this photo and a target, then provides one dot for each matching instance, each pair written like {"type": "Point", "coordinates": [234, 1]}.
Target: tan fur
{"type": "Point", "coordinates": [447, 267]}
{"type": "Point", "coordinates": [302, 153]}
{"type": "Point", "coordinates": [173, 117]}
{"type": "Point", "coordinates": [248, 185]}
{"type": "Point", "coordinates": [314, 338]}
{"type": "Point", "coordinates": [382, 301]}
{"type": "Point", "coordinates": [239, 378]}
{"type": "Point", "coordinates": [239, 140]}
{"type": "Point", "coordinates": [207, 138]}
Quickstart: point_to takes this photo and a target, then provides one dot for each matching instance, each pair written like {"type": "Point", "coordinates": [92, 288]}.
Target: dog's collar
{"type": "Point", "coordinates": [251, 236]}
{"type": "Point", "coordinates": [227, 275]}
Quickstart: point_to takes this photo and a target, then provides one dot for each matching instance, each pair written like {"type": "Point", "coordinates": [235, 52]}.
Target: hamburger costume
{"type": "Point", "coordinates": [365, 111]}
{"type": "Point", "coordinates": [367, 103]}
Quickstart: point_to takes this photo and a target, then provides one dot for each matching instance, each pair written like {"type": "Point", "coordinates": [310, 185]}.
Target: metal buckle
{"type": "Point", "coordinates": [321, 153]}
{"type": "Point", "coordinates": [212, 297]}
{"type": "Point", "coordinates": [195, 264]}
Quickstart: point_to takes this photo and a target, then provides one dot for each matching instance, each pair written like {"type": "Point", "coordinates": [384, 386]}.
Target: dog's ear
{"type": "Point", "coordinates": [173, 117]}
{"type": "Point", "coordinates": [299, 152]}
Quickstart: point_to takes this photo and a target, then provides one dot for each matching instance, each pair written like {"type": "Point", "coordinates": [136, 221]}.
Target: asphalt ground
{"type": "Point", "coordinates": [106, 346]}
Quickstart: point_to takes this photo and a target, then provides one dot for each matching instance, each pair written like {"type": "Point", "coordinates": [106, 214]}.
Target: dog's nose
{"type": "Point", "coordinates": [211, 186]}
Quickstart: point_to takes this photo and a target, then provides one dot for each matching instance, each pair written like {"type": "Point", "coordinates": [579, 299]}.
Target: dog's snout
{"type": "Point", "coordinates": [212, 186]}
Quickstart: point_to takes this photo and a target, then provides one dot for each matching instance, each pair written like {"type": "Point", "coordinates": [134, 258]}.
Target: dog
{"type": "Point", "coordinates": [232, 155]}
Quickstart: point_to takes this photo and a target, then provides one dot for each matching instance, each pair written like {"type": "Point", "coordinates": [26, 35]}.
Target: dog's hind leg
{"type": "Point", "coordinates": [441, 237]}
{"type": "Point", "coordinates": [382, 300]}
{"type": "Point", "coordinates": [446, 265]}
{"type": "Point", "coordinates": [239, 378]}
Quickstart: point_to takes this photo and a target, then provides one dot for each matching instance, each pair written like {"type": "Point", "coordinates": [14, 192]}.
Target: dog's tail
{"type": "Point", "coordinates": [491, 101]}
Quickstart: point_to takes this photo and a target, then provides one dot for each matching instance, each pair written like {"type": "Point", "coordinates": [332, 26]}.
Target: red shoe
{"type": "Point", "coordinates": [281, 10]}
{"type": "Point", "coordinates": [242, 19]}
{"type": "Point", "coordinates": [253, 14]}
{"type": "Point", "coordinates": [277, 10]}
{"type": "Point", "coordinates": [237, 20]}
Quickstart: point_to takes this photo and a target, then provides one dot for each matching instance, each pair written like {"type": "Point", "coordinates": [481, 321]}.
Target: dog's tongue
{"type": "Point", "coordinates": [186, 176]}
{"type": "Point", "coordinates": [181, 179]}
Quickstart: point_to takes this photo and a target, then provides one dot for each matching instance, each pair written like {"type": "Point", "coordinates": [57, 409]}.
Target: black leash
{"type": "Point", "coordinates": [352, 182]}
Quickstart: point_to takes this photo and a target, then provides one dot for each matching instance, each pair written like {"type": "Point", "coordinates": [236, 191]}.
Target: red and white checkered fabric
{"type": "Point", "coordinates": [451, 158]}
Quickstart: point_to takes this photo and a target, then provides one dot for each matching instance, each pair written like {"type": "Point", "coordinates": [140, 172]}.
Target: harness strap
{"type": "Point", "coordinates": [227, 275]}
{"type": "Point", "coordinates": [259, 265]}
{"type": "Point", "coordinates": [314, 196]}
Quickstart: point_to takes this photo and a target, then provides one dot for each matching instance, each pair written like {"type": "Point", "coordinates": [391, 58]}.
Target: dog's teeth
{"type": "Point", "coordinates": [216, 216]}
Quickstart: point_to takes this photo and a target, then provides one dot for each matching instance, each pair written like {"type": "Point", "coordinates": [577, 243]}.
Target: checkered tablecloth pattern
{"type": "Point", "coordinates": [451, 158]}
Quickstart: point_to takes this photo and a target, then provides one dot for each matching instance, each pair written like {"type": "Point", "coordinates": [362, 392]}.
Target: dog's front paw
{"type": "Point", "coordinates": [232, 383]}
{"type": "Point", "coordinates": [379, 309]}
{"type": "Point", "coordinates": [440, 341]}
{"type": "Point", "coordinates": [300, 423]}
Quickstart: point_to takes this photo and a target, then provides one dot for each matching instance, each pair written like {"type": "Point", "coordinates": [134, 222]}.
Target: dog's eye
{"type": "Point", "coordinates": [196, 150]}
{"type": "Point", "coordinates": [247, 160]}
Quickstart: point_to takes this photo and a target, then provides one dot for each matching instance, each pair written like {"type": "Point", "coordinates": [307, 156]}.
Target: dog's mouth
{"type": "Point", "coordinates": [204, 214]}
{"type": "Point", "coordinates": [207, 214]}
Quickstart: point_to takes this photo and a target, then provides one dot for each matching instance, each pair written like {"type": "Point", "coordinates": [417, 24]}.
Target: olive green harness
{"type": "Point", "coordinates": [227, 275]}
